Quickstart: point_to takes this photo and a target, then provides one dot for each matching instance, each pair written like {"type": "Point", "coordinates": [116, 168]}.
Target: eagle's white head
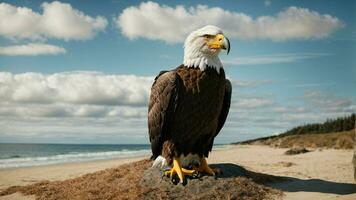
{"type": "Point", "coordinates": [202, 48]}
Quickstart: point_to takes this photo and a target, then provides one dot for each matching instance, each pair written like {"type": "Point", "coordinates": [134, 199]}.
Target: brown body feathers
{"type": "Point", "coordinates": [187, 109]}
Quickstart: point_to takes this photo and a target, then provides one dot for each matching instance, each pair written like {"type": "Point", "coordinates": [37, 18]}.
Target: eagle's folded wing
{"type": "Point", "coordinates": [162, 104]}
{"type": "Point", "coordinates": [226, 106]}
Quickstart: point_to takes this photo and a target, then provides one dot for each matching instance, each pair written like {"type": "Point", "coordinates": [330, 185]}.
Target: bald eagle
{"type": "Point", "coordinates": [188, 106]}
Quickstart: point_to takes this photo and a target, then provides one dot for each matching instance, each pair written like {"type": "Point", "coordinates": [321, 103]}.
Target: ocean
{"type": "Point", "coordinates": [26, 155]}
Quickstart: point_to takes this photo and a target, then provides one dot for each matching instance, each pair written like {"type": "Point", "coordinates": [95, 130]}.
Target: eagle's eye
{"type": "Point", "coordinates": [207, 36]}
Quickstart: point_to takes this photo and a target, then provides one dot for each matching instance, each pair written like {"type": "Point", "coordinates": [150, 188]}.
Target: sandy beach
{"type": "Point", "coordinates": [320, 174]}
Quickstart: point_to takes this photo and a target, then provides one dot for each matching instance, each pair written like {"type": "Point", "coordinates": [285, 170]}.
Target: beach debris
{"type": "Point", "coordinates": [296, 150]}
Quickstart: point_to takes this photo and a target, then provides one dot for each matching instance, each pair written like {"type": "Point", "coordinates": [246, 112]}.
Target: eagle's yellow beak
{"type": "Point", "coordinates": [219, 42]}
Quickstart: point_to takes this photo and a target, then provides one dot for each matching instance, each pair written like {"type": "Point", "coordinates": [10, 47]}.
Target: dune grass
{"type": "Point", "coordinates": [338, 140]}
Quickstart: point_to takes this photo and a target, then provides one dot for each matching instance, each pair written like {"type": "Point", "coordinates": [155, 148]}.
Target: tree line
{"type": "Point", "coordinates": [339, 124]}
{"type": "Point", "coordinates": [331, 125]}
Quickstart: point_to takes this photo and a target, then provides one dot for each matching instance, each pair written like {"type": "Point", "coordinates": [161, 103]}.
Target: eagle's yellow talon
{"type": "Point", "coordinates": [188, 171]}
{"type": "Point", "coordinates": [204, 168]}
{"type": "Point", "coordinates": [177, 169]}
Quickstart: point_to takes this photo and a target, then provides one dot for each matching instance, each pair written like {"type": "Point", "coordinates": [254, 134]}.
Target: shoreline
{"type": "Point", "coordinates": [76, 162]}
{"type": "Point", "coordinates": [320, 174]}
{"type": "Point", "coordinates": [217, 148]}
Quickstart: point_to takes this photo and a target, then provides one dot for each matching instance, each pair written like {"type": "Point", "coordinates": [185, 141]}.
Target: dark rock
{"type": "Point", "coordinates": [234, 183]}
{"type": "Point", "coordinates": [298, 150]}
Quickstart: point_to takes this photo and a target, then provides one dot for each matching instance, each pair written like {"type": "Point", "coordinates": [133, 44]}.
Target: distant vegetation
{"type": "Point", "coordinates": [334, 133]}
{"type": "Point", "coordinates": [330, 126]}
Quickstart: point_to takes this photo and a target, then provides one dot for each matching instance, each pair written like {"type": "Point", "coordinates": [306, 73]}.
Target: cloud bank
{"type": "Point", "coordinates": [172, 24]}
{"type": "Point", "coordinates": [92, 88]}
{"type": "Point", "coordinates": [31, 49]}
{"type": "Point", "coordinates": [94, 107]}
{"type": "Point", "coordinates": [273, 58]}
{"type": "Point", "coordinates": [58, 20]}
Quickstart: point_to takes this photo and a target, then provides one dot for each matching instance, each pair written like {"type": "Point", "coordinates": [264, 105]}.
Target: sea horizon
{"type": "Point", "coordinates": [15, 155]}
{"type": "Point", "coordinates": [18, 155]}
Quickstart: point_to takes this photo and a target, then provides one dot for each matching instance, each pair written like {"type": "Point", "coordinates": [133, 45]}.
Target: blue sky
{"type": "Point", "coordinates": [80, 71]}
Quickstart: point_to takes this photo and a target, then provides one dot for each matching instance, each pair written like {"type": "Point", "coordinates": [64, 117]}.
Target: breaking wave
{"type": "Point", "coordinates": [70, 157]}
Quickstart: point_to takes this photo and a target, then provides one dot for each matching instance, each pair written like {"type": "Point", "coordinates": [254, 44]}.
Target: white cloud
{"type": "Point", "coordinates": [72, 130]}
{"type": "Point", "coordinates": [302, 117]}
{"type": "Point", "coordinates": [283, 109]}
{"type": "Point", "coordinates": [329, 103]}
{"type": "Point", "coordinates": [31, 49]}
{"type": "Point", "coordinates": [252, 103]}
{"type": "Point", "coordinates": [78, 107]}
{"type": "Point", "coordinates": [263, 114]}
{"type": "Point", "coordinates": [172, 24]}
{"type": "Point", "coordinates": [273, 58]}
{"type": "Point", "coordinates": [74, 88]}
{"type": "Point", "coordinates": [250, 84]}
{"type": "Point", "coordinates": [58, 20]}
{"type": "Point", "coordinates": [267, 3]}
{"type": "Point", "coordinates": [66, 110]}
{"type": "Point", "coordinates": [307, 85]}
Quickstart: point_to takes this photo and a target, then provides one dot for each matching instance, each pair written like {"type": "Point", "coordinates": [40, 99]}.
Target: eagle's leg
{"type": "Point", "coordinates": [204, 168]}
{"type": "Point", "coordinates": [179, 170]}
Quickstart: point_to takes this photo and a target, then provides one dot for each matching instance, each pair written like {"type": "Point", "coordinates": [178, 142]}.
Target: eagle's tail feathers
{"type": "Point", "coordinates": [160, 162]}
